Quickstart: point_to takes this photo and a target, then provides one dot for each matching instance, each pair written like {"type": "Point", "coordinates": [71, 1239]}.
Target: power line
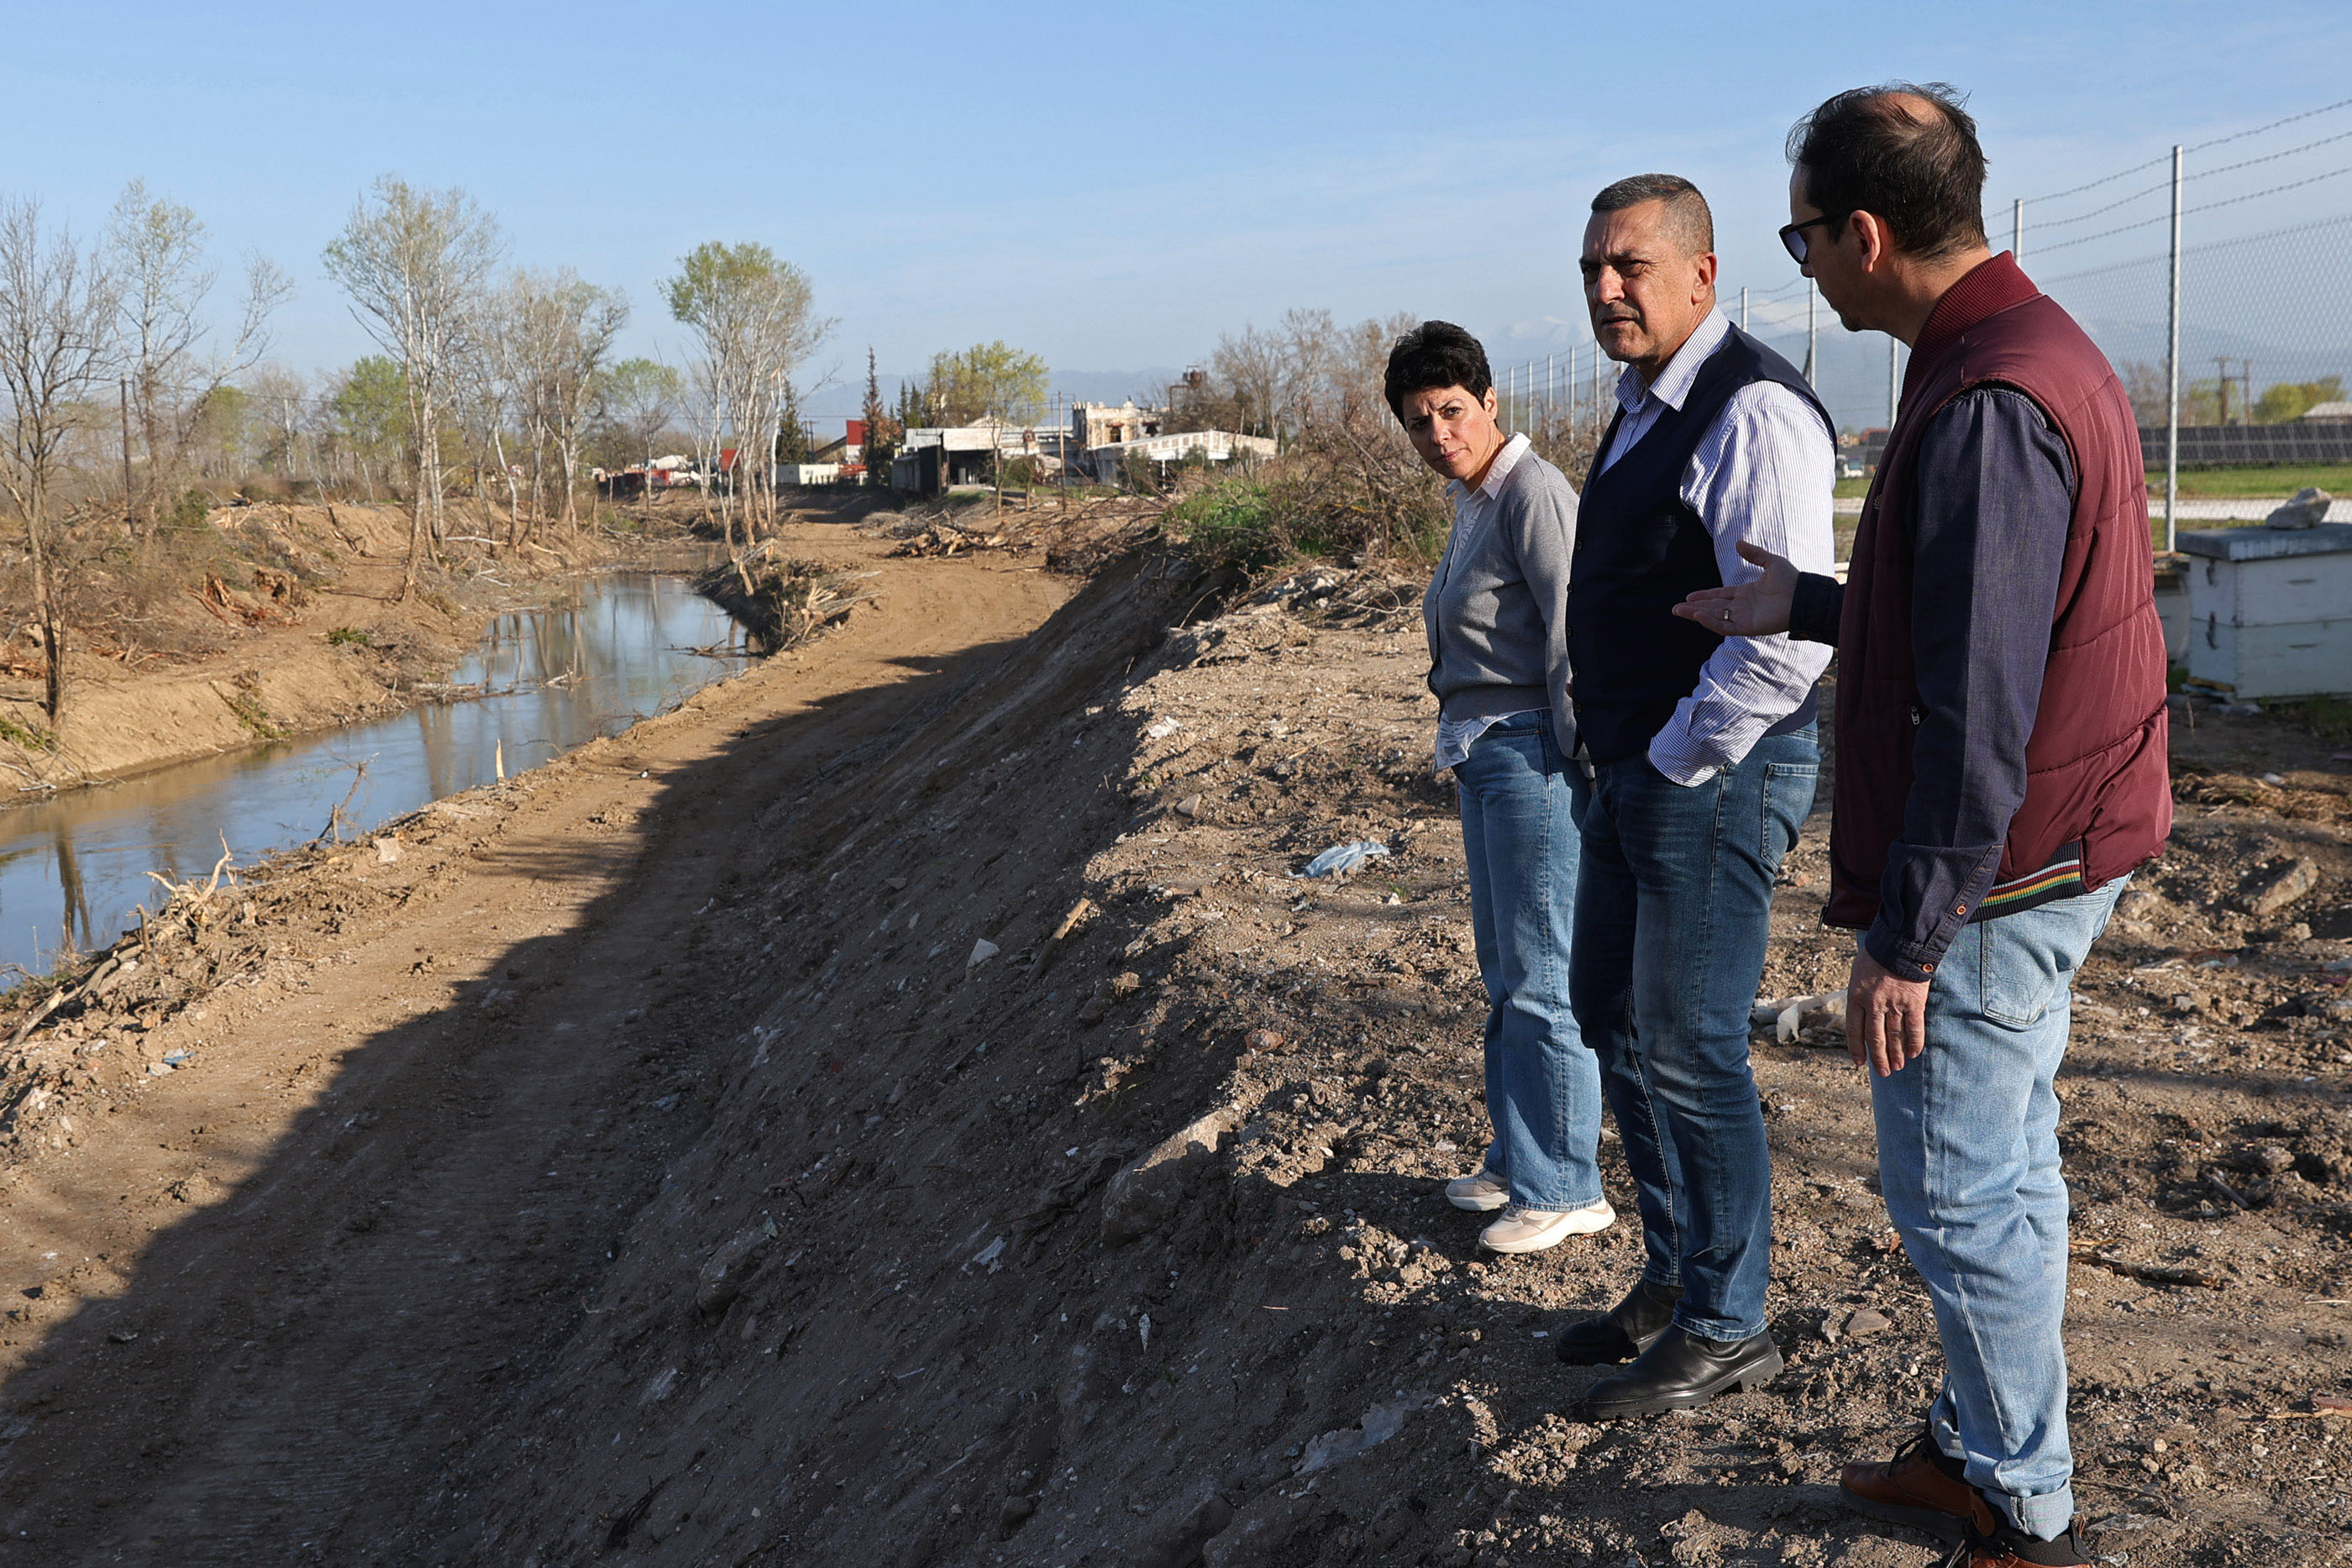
{"type": "Point", "coordinates": [2200, 174]}
{"type": "Point", "coordinates": [2200, 147]}
{"type": "Point", "coordinates": [2167, 217]}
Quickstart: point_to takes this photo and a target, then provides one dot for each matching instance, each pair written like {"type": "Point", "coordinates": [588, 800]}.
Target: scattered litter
{"type": "Point", "coordinates": [1143, 1330]}
{"type": "Point", "coordinates": [1341, 859]}
{"type": "Point", "coordinates": [387, 851]}
{"type": "Point", "coordinates": [1160, 730]}
{"type": "Point", "coordinates": [1381, 1422]}
{"type": "Point", "coordinates": [173, 1058]}
{"type": "Point", "coordinates": [1264, 1040]}
{"type": "Point", "coordinates": [990, 1257]}
{"type": "Point", "coordinates": [124, 1336]}
{"type": "Point", "coordinates": [2273, 779]}
{"type": "Point", "coordinates": [982, 951]}
{"type": "Point", "coordinates": [1790, 1018]}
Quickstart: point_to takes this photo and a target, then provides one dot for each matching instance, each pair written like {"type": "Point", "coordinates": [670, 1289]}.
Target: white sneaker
{"type": "Point", "coordinates": [1533, 1230]}
{"type": "Point", "coordinates": [1481, 1193]}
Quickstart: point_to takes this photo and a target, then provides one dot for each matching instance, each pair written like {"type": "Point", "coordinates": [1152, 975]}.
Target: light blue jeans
{"type": "Point", "coordinates": [1521, 804]}
{"type": "Point", "coordinates": [1967, 1158]}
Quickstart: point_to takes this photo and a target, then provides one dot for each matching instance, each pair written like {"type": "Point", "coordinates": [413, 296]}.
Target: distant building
{"type": "Point", "coordinates": [932, 459]}
{"type": "Point", "coordinates": [1094, 424]}
{"type": "Point", "coordinates": [2339, 412]}
{"type": "Point", "coordinates": [1112, 461]}
{"type": "Point", "coordinates": [808, 473]}
{"type": "Point", "coordinates": [846, 452]}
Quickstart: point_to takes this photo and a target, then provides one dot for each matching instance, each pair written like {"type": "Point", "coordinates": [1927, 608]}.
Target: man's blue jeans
{"type": "Point", "coordinates": [1521, 801]}
{"type": "Point", "coordinates": [1672, 914]}
{"type": "Point", "coordinates": [1967, 1158]}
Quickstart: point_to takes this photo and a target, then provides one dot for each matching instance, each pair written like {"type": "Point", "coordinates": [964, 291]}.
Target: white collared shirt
{"type": "Point", "coordinates": [1766, 474]}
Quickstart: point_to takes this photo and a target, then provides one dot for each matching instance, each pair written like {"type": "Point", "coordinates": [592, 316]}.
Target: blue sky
{"type": "Point", "coordinates": [1109, 186]}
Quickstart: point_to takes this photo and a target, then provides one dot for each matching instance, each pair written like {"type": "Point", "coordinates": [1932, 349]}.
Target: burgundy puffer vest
{"type": "Point", "coordinates": [2096, 766]}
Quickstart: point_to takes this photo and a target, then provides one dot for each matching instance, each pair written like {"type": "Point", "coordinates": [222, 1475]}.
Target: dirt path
{"type": "Point", "coordinates": [252, 1304]}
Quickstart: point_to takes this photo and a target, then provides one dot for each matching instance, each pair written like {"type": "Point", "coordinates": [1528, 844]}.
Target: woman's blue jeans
{"type": "Point", "coordinates": [1521, 804]}
{"type": "Point", "coordinates": [1967, 1158]}
{"type": "Point", "coordinates": [1674, 906]}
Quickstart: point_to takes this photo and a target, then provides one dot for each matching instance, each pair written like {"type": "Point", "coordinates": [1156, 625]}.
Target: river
{"type": "Point", "coordinates": [610, 650]}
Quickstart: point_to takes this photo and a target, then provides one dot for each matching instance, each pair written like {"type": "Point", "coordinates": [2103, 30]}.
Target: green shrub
{"type": "Point", "coordinates": [350, 637]}
{"type": "Point", "coordinates": [1232, 526]}
{"type": "Point", "coordinates": [188, 513]}
{"type": "Point", "coordinates": [29, 737]}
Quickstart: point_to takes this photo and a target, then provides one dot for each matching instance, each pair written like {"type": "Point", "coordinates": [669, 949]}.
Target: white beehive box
{"type": "Point", "coordinates": [2270, 610]}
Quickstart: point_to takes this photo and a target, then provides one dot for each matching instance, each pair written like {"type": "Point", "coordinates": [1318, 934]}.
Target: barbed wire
{"type": "Point", "coordinates": [2040, 224]}
{"type": "Point", "coordinates": [2186, 212]}
{"type": "Point", "coordinates": [2200, 147]}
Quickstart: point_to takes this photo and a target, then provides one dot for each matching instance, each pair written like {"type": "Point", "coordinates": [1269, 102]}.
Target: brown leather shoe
{"type": "Point", "coordinates": [1921, 1487]}
{"type": "Point", "coordinates": [2005, 1548]}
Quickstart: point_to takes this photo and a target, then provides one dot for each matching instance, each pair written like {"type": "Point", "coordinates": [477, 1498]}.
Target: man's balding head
{"type": "Point", "coordinates": [1689, 223]}
{"type": "Point", "coordinates": [1905, 152]}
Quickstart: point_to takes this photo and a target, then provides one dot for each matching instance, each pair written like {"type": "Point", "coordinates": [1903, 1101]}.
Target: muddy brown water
{"type": "Point", "coordinates": [614, 647]}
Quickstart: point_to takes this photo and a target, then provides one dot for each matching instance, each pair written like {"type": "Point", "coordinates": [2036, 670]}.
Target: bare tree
{"type": "Point", "coordinates": [751, 312]}
{"type": "Point", "coordinates": [155, 250]}
{"type": "Point", "coordinates": [57, 320]}
{"type": "Point", "coordinates": [413, 262]}
{"type": "Point", "coordinates": [636, 399]}
{"type": "Point", "coordinates": [567, 328]}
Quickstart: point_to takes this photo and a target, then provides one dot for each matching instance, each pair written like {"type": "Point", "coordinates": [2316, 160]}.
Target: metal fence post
{"type": "Point", "coordinates": [1743, 308]}
{"type": "Point", "coordinates": [1894, 378]}
{"type": "Point", "coordinates": [2172, 374]}
{"type": "Point", "coordinates": [2017, 230]}
{"type": "Point", "coordinates": [1813, 333]}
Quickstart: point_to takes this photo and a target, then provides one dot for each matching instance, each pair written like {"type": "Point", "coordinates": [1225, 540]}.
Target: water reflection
{"type": "Point", "coordinates": [74, 870]}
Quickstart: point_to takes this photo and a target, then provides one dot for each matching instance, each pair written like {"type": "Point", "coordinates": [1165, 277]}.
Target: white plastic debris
{"type": "Point", "coordinates": [1341, 859]}
{"type": "Point", "coordinates": [1160, 728]}
{"type": "Point", "coordinates": [1381, 1422]}
{"type": "Point", "coordinates": [990, 1257]}
{"type": "Point", "coordinates": [1790, 1015]}
{"type": "Point", "coordinates": [982, 951]}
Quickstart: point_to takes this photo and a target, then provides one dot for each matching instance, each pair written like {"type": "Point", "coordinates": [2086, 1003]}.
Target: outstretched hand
{"type": "Point", "coordinates": [1757, 609]}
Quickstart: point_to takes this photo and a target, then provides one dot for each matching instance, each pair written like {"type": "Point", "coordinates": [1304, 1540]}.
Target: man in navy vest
{"type": "Point", "coordinates": [1704, 760]}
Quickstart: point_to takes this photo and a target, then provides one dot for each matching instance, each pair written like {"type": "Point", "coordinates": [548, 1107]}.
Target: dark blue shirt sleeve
{"type": "Point", "coordinates": [1992, 496]}
{"type": "Point", "coordinates": [1813, 608]}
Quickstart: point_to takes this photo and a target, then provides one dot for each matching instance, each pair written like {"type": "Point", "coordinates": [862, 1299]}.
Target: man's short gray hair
{"type": "Point", "coordinates": [1687, 213]}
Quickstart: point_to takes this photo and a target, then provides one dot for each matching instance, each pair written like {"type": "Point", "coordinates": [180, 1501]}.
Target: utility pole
{"type": "Point", "coordinates": [2221, 387]}
{"type": "Point", "coordinates": [1812, 332]}
{"type": "Point", "coordinates": [130, 495]}
{"type": "Point", "coordinates": [2017, 231]}
{"type": "Point", "coordinates": [2246, 404]}
{"type": "Point", "coordinates": [1743, 308]}
{"type": "Point", "coordinates": [2172, 374]}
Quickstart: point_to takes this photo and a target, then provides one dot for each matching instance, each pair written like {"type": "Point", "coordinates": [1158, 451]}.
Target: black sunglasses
{"type": "Point", "coordinates": [1792, 236]}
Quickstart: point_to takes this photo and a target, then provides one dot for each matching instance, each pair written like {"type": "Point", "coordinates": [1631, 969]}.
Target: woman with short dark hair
{"type": "Point", "coordinates": [1496, 617]}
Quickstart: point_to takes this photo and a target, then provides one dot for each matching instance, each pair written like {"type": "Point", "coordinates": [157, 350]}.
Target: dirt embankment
{"type": "Point", "coordinates": [934, 1125]}
{"type": "Point", "coordinates": [267, 620]}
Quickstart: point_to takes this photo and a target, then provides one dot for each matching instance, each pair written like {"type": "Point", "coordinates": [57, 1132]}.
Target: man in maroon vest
{"type": "Point", "coordinates": [2000, 771]}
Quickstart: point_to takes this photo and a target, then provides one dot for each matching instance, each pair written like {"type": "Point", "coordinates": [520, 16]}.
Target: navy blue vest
{"type": "Point", "coordinates": [1640, 550]}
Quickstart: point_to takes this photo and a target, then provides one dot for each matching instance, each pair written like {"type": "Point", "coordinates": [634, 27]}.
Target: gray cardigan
{"type": "Point", "coordinates": [1496, 609]}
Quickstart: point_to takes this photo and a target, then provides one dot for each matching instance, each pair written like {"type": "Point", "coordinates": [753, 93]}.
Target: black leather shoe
{"type": "Point", "coordinates": [1682, 1370]}
{"type": "Point", "coordinates": [1624, 1331]}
